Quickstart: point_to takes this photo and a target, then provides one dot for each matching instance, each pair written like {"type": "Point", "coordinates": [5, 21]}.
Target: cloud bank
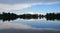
{"type": "Point", "coordinates": [27, 1]}
{"type": "Point", "coordinates": [7, 5]}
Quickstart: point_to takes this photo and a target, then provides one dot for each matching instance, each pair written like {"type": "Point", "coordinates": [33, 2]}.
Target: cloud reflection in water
{"type": "Point", "coordinates": [8, 27]}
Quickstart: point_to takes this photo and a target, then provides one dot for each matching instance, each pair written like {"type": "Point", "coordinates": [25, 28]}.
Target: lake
{"type": "Point", "coordinates": [30, 26]}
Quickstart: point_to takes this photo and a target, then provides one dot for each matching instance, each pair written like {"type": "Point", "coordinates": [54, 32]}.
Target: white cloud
{"type": "Point", "coordinates": [7, 8]}
{"type": "Point", "coordinates": [27, 1]}
{"type": "Point", "coordinates": [21, 4]}
{"type": "Point", "coordinates": [16, 6]}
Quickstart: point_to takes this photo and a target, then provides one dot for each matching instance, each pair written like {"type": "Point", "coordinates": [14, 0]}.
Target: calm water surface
{"type": "Point", "coordinates": [30, 26]}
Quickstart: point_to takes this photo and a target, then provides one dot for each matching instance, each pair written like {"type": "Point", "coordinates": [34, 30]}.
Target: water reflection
{"type": "Point", "coordinates": [12, 16]}
{"type": "Point", "coordinates": [9, 19]}
{"type": "Point", "coordinates": [29, 31]}
{"type": "Point", "coordinates": [28, 23]}
{"type": "Point", "coordinates": [15, 27]}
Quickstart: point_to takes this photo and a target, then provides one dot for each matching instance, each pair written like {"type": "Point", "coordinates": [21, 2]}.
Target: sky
{"type": "Point", "coordinates": [30, 6]}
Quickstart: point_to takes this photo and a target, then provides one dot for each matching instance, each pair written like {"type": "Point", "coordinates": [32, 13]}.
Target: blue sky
{"type": "Point", "coordinates": [32, 6]}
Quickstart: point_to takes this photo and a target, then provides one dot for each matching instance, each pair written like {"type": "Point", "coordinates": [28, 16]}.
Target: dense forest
{"type": "Point", "coordinates": [53, 16]}
{"type": "Point", "coordinates": [12, 16]}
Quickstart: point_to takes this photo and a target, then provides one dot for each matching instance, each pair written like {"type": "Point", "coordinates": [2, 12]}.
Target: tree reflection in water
{"type": "Point", "coordinates": [11, 16]}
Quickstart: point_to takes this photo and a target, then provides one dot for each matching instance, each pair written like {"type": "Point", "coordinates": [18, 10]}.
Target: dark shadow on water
{"type": "Point", "coordinates": [28, 31]}
{"type": "Point", "coordinates": [11, 16]}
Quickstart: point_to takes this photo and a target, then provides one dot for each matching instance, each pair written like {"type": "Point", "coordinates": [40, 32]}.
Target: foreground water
{"type": "Point", "coordinates": [30, 26]}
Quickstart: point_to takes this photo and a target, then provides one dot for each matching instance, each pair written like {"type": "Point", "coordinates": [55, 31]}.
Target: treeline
{"type": "Point", "coordinates": [11, 16]}
{"type": "Point", "coordinates": [52, 16]}
{"type": "Point", "coordinates": [8, 16]}
{"type": "Point", "coordinates": [29, 16]}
